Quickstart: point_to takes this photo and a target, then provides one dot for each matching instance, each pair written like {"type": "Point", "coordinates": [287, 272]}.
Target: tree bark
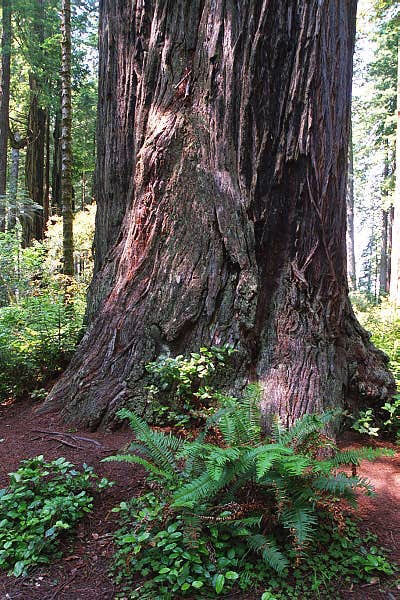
{"type": "Point", "coordinates": [33, 223]}
{"type": "Point", "coordinates": [56, 166]}
{"type": "Point", "coordinates": [14, 175]}
{"type": "Point", "coordinates": [385, 257]}
{"type": "Point", "coordinates": [389, 251]}
{"type": "Point", "coordinates": [46, 195]}
{"type": "Point", "coordinates": [395, 266]}
{"type": "Point", "coordinates": [222, 172]}
{"type": "Point", "coordinates": [4, 104]}
{"type": "Point", "coordinates": [66, 141]}
{"type": "Point", "coordinates": [351, 255]}
{"type": "Point", "coordinates": [383, 263]}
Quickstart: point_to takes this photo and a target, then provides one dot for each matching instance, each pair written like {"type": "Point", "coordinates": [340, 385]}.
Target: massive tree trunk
{"type": "Point", "coordinates": [222, 167]}
{"type": "Point", "coordinates": [4, 104]}
{"type": "Point", "coordinates": [66, 141]}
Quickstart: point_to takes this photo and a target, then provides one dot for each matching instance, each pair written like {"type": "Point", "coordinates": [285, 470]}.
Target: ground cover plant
{"type": "Point", "coordinates": [42, 501]}
{"type": "Point", "coordinates": [235, 507]}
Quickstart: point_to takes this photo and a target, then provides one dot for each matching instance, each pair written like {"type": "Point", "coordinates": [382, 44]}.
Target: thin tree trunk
{"type": "Point", "coordinates": [4, 104]}
{"type": "Point", "coordinates": [14, 174]}
{"type": "Point", "coordinates": [232, 200]}
{"type": "Point", "coordinates": [383, 264]}
{"type": "Point", "coordinates": [66, 144]}
{"type": "Point", "coordinates": [384, 259]}
{"type": "Point", "coordinates": [389, 251]}
{"type": "Point", "coordinates": [395, 268]}
{"type": "Point", "coordinates": [83, 200]}
{"type": "Point", "coordinates": [351, 255]}
{"type": "Point", "coordinates": [33, 224]}
{"type": "Point", "coordinates": [46, 197]}
{"type": "Point", "coordinates": [56, 166]}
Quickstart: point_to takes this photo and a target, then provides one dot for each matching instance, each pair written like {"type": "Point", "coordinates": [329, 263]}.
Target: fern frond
{"type": "Point", "coordinates": [218, 458]}
{"type": "Point", "coordinates": [132, 458]}
{"type": "Point", "coordinates": [301, 519]}
{"type": "Point", "coordinates": [277, 429]}
{"type": "Point", "coordinates": [251, 401]}
{"type": "Point", "coordinates": [193, 492]}
{"type": "Point", "coordinates": [158, 446]}
{"type": "Point", "coordinates": [337, 485]}
{"type": "Point", "coordinates": [270, 552]}
{"type": "Point", "coordinates": [306, 426]}
{"type": "Point", "coordinates": [354, 456]}
{"type": "Point", "coordinates": [294, 465]}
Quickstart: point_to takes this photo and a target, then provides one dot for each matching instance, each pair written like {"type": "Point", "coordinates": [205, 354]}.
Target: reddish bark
{"type": "Point", "coordinates": [4, 103]}
{"type": "Point", "coordinates": [223, 137]}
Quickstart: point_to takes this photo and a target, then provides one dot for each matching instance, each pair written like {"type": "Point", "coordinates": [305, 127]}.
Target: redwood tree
{"type": "Point", "coordinates": [4, 102]}
{"type": "Point", "coordinates": [221, 186]}
{"type": "Point", "coordinates": [66, 142]}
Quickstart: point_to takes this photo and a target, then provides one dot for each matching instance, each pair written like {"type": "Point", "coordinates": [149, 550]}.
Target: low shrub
{"type": "Point", "coordinates": [182, 391]}
{"type": "Point", "coordinates": [43, 500]}
{"type": "Point", "coordinates": [38, 336]}
{"type": "Point", "coordinates": [383, 322]}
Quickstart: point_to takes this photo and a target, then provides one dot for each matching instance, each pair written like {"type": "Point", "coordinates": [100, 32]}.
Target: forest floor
{"type": "Point", "coordinates": [82, 573]}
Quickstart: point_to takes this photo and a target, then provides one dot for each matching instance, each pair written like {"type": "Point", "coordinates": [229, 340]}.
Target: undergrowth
{"type": "Point", "coordinates": [234, 508]}
{"type": "Point", "coordinates": [42, 501]}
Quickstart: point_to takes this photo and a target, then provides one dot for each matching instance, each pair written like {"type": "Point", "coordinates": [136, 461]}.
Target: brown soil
{"type": "Point", "coordinates": [82, 572]}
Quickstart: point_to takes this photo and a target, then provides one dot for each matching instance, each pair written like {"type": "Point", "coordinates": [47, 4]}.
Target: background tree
{"type": "Point", "coordinates": [374, 138]}
{"type": "Point", "coordinates": [66, 143]}
{"type": "Point", "coordinates": [395, 270]}
{"type": "Point", "coordinates": [4, 102]}
{"type": "Point", "coordinates": [351, 253]}
{"type": "Point", "coordinates": [235, 124]}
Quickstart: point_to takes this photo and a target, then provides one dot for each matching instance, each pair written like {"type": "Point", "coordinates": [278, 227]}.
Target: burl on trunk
{"type": "Point", "coordinates": [222, 165]}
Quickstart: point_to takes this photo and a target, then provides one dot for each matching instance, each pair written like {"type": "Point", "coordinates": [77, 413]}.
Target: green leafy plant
{"type": "Point", "coordinates": [182, 390]}
{"type": "Point", "coordinates": [338, 558]}
{"type": "Point", "coordinates": [262, 494]}
{"type": "Point", "coordinates": [43, 500]}
{"type": "Point", "coordinates": [41, 310]}
{"type": "Point", "coordinates": [392, 420]}
{"type": "Point", "coordinates": [364, 423]}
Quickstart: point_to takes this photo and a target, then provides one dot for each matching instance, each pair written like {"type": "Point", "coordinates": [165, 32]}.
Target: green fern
{"type": "Point", "coordinates": [270, 552]}
{"type": "Point", "coordinates": [131, 458]}
{"type": "Point", "coordinates": [249, 480]}
{"type": "Point", "coordinates": [302, 520]}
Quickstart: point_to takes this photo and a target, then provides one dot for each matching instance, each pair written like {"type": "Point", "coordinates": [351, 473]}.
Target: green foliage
{"type": "Point", "coordinates": [38, 336]}
{"type": "Point", "coordinates": [181, 390]}
{"type": "Point", "coordinates": [178, 559]}
{"type": "Point", "coordinates": [43, 500]}
{"type": "Point", "coordinates": [340, 557]}
{"type": "Point", "coordinates": [383, 322]}
{"type": "Point", "coordinates": [364, 423]}
{"type": "Point", "coordinates": [42, 312]}
{"type": "Point", "coordinates": [266, 496]}
{"type": "Point", "coordinates": [160, 559]}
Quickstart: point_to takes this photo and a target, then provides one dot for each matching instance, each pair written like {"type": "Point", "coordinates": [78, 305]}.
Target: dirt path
{"type": "Point", "coordinates": [82, 573]}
